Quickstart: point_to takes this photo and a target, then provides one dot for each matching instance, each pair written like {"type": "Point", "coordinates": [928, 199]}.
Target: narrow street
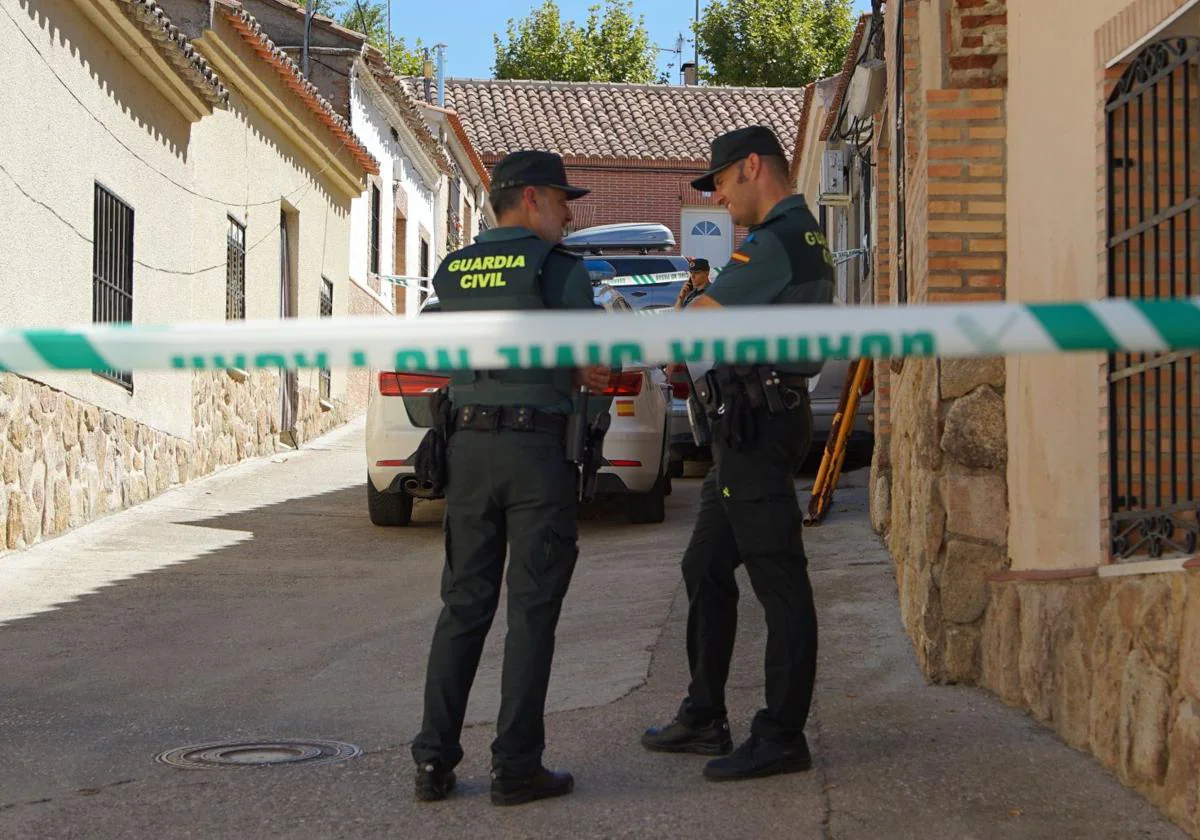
{"type": "Point", "coordinates": [261, 604]}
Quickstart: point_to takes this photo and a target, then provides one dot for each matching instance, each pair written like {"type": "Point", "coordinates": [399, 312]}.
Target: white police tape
{"type": "Point", "coordinates": [511, 340]}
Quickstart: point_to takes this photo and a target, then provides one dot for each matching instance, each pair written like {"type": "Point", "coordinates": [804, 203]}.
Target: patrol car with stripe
{"type": "Point", "coordinates": [635, 449]}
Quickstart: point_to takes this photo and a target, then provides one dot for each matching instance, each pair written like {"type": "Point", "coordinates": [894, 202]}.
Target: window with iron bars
{"type": "Point", "coordinates": [1152, 136]}
{"type": "Point", "coordinates": [324, 386]}
{"type": "Point", "coordinates": [235, 271]}
{"type": "Point", "coordinates": [374, 244]}
{"type": "Point", "coordinates": [454, 231]}
{"type": "Point", "coordinates": [112, 268]}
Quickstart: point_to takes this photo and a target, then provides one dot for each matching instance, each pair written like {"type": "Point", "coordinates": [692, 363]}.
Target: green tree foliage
{"type": "Point", "coordinates": [610, 46]}
{"type": "Point", "coordinates": [773, 43]}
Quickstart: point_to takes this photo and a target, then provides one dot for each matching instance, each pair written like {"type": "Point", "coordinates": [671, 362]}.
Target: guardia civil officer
{"type": "Point", "coordinates": [761, 427]}
{"type": "Point", "coordinates": [508, 482]}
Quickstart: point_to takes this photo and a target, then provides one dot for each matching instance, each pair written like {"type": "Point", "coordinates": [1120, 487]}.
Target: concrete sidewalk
{"type": "Point", "coordinates": [263, 604]}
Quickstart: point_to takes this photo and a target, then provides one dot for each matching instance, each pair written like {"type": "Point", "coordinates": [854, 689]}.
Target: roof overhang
{"type": "Point", "coordinates": [118, 20]}
{"type": "Point", "coordinates": [459, 142]}
{"type": "Point", "coordinates": [328, 147]}
{"type": "Point", "coordinates": [858, 45]}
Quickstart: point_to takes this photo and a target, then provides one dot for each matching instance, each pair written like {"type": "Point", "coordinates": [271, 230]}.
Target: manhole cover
{"type": "Point", "coordinates": [257, 754]}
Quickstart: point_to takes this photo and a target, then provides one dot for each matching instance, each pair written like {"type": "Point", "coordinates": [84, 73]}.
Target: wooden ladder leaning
{"type": "Point", "coordinates": [835, 447]}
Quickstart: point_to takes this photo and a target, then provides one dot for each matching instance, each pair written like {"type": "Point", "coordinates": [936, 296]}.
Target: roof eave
{"type": "Point", "coordinates": [852, 55]}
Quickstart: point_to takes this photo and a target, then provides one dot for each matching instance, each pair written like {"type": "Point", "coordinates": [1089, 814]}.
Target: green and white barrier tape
{"type": "Point", "coordinates": [646, 279]}
{"type": "Point", "coordinates": [401, 280]}
{"type": "Point", "coordinates": [509, 340]}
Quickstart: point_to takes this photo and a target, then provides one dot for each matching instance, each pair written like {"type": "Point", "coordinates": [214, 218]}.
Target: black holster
{"type": "Point", "coordinates": [430, 463]}
{"type": "Point", "coordinates": [741, 396]}
{"type": "Point", "coordinates": [585, 444]}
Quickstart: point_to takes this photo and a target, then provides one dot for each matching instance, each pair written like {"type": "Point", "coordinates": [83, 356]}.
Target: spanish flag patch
{"type": "Point", "coordinates": [739, 256]}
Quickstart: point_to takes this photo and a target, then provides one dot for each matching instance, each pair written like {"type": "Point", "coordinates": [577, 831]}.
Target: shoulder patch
{"type": "Point", "coordinates": [749, 238]}
{"type": "Point", "coordinates": [740, 257]}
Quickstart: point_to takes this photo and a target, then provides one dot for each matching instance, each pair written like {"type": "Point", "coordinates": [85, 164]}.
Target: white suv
{"type": "Point", "coordinates": [635, 448]}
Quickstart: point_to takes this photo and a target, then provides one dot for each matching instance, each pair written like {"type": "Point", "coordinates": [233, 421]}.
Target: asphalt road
{"type": "Point", "coordinates": [260, 604]}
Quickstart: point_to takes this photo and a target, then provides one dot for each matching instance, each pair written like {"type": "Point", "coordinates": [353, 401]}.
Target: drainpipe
{"type": "Point", "coordinates": [901, 232]}
{"type": "Point", "coordinates": [308, 16]}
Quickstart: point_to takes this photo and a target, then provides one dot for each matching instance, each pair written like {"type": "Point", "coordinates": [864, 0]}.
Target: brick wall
{"type": "Point", "coordinates": [884, 251]}
{"type": "Point", "coordinates": [634, 191]}
{"type": "Point", "coordinates": [966, 203]}
{"type": "Point", "coordinates": [977, 43]}
{"type": "Point", "coordinates": [630, 195]}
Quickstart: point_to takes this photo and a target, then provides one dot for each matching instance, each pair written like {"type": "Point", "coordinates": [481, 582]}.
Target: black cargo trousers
{"type": "Point", "coordinates": [512, 487]}
{"type": "Point", "coordinates": [749, 514]}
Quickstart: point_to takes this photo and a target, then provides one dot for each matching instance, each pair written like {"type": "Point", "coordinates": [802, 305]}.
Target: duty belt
{"type": "Point", "coordinates": [762, 386]}
{"type": "Point", "coordinates": [489, 418]}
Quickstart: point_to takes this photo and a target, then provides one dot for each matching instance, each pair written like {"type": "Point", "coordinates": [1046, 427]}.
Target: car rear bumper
{"type": "Point", "coordinates": [643, 446]}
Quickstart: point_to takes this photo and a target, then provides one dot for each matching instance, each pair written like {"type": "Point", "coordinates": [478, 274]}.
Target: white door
{"type": "Point", "coordinates": [707, 232]}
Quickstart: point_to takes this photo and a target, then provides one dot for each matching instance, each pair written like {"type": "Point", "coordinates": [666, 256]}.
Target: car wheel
{"type": "Point", "coordinates": [388, 509]}
{"type": "Point", "coordinates": [649, 508]}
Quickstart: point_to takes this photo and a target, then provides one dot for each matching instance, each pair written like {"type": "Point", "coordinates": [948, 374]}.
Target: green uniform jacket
{"type": "Point", "coordinates": [565, 284]}
{"type": "Point", "coordinates": [783, 260]}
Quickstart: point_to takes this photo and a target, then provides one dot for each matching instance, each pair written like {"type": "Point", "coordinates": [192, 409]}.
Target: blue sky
{"type": "Point", "coordinates": [466, 26]}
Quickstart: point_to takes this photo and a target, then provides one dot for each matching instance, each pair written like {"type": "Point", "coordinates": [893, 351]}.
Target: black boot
{"type": "Point", "coordinates": [433, 782]}
{"type": "Point", "coordinates": [757, 758]}
{"type": "Point", "coordinates": [544, 784]}
{"type": "Point", "coordinates": [678, 737]}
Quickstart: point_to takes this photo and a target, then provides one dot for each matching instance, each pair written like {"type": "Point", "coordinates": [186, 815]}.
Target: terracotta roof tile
{"type": "Point", "coordinates": [594, 119]}
{"type": "Point", "coordinates": [175, 47]}
{"type": "Point", "coordinates": [252, 31]}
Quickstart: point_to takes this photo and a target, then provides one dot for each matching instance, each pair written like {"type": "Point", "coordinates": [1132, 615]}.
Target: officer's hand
{"type": "Point", "coordinates": [595, 377]}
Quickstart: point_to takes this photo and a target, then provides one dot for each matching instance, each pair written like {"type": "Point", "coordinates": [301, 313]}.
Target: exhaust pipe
{"type": "Point", "coordinates": [418, 489]}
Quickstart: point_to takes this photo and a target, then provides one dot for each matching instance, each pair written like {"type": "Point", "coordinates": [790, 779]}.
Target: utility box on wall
{"type": "Point", "coordinates": [834, 186]}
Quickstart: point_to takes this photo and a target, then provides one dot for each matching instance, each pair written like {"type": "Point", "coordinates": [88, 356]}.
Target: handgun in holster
{"type": "Point", "coordinates": [585, 444]}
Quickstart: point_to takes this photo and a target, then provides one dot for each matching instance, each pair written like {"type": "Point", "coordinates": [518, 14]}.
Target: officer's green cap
{"type": "Point", "coordinates": [736, 145]}
{"type": "Point", "coordinates": [533, 169]}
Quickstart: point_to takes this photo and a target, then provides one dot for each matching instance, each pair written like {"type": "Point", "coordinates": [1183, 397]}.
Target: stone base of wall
{"type": "Point", "coordinates": [64, 462]}
{"type": "Point", "coordinates": [946, 519]}
{"type": "Point", "coordinates": [1114, 666]}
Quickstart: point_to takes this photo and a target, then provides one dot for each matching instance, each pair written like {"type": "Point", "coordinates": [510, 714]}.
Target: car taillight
{"type": "Point", "coordinates": [409, 384]}
{"type": "Point", "coordinates": [681, 383]}
{"type": "Point", "coordinates": [627, 384]}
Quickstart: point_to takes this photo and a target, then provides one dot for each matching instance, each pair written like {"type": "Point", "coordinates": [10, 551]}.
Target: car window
{"type": "Point", "coordinates": [626, 266]}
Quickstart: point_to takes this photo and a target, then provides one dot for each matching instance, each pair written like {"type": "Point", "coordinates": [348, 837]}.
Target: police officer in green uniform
{"type": "Point", "coordinates": [508, 482]}
{"type": "Point", "coordinates": [762, 427]}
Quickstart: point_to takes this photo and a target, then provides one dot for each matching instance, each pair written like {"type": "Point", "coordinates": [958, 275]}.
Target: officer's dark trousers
{"type": "Point", "coordinates": [504, 487]}
{"type": "Point", "coordinates": [749, 514]}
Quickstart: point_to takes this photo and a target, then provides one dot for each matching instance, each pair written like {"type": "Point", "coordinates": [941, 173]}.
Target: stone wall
{"type": "Point", "coordinates": [1113, 664]}
{"type": "Point", "coordinates": [947, 519]}
{"type": "Point", "coordinates": [64, 462]}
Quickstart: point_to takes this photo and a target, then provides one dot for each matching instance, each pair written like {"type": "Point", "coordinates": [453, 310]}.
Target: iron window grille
{"type": "Point", "coordinates": [235, 271]}
{"type": "Point", "coordinates": [374, 244]}
{"type": "Point", "coordinates": [1152, 137]}
{"type": "Point", "coordinates": [112, 268]}
{"type": "Point", "coordinates": [324, 381]}
{"type": "Point", "coordinates": [454, 238]}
